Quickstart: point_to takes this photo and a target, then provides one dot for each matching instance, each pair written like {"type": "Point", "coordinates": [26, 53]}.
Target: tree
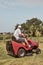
{"type": "Point", "coordinates": [32, 26]}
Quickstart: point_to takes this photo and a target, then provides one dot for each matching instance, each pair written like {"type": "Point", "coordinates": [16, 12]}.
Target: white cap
{"type": "Point", "coordinates": [19, 26]}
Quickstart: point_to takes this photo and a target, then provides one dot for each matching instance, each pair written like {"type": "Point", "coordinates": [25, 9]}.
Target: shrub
{"type": "Point", "coordinates": [1, 38]}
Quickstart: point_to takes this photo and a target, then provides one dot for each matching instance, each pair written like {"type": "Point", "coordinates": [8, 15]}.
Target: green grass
{"type": "Point", "coordinates": [5, 59]}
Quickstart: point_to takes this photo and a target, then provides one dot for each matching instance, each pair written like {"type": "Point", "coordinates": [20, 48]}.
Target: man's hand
{"type": "Point", "coordinates": [22, 35]}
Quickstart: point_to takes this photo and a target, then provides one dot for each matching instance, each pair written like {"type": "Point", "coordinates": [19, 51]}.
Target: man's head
{"type": "Point", "coordinates": [19, 26]}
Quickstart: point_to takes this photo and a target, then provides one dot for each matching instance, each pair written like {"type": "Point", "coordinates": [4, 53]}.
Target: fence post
{"type": "Point", "coordinates": [4, 37]}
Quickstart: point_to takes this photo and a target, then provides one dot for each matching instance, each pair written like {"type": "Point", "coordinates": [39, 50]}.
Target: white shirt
{"type": "Point", "coordinates": [17, 33]}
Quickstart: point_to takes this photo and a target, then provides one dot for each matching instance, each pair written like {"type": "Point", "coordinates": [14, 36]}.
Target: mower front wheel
{"type": "Point", "coordinates": [21, 52]}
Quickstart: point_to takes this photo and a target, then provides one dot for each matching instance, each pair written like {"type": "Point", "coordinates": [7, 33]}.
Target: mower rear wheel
{"type": "Point", "coordinates": [9, 48]}
{"type": "Point", "coordinates": [21, 52]}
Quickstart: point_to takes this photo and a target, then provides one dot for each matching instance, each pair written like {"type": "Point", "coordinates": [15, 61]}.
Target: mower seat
{"type": "Point", "coordinates": [14, 39]}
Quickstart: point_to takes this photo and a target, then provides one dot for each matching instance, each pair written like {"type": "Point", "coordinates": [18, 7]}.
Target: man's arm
{"type": "Point", "coordinates": [21, 35]}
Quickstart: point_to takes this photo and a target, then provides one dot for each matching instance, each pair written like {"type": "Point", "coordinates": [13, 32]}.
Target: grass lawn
{"type": "Point", "coordinates": [5, 59]}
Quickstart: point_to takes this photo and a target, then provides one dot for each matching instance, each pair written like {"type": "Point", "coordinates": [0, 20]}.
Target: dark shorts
{"type": "Point", "coordinates": [21, 40]}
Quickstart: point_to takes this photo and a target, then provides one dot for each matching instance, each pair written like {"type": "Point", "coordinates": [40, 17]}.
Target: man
{"type": "Point", "coordinates": [20, 36]}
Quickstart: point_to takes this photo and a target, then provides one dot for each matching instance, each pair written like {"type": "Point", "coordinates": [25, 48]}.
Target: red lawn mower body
{"type": "Point", "coordinates": [16, 46]}
{"type": "Point", "coordinates": [20, 50]}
